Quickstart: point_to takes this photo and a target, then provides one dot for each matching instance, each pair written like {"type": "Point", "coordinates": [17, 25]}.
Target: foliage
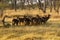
{"type": "Point", "coordinates": [3, 5]}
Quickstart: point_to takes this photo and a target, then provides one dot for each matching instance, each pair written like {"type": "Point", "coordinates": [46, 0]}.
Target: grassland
{"type": "Point", "coordinates": [48, 31]}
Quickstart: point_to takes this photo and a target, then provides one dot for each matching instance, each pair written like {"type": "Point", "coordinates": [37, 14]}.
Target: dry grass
{"type": "Point", "coordinates": [48, 31]}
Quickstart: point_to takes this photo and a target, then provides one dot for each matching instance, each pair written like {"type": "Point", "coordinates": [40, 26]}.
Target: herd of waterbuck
{"type": "Point", "coordinates": [29, 20]}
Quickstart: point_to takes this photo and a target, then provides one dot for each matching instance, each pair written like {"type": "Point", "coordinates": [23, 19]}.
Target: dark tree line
{"type": "Point", "coordinates": [52, 4]}
{"type": "Point", "coordinates": [42, 4]}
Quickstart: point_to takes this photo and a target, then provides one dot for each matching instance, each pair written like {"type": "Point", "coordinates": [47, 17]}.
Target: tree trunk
{"type": "Point", "coordinates": [31, 1]}
{"type": "Point", "coordinates": [44, 7]}
{"type": "Point", "coordinates": [58, 6]}
{"type": "Point", "coordinates": [39, 4]}
{"type": "Point", "coordinates": [54, 4]}
{"type": "Point", "coordinates": [15, 5]}
{"type": "Point", "coordinates": [2, 9]}
{"type": "Point", "coordinates": [28, 4]}
{"type": "Point", "coordinates": [1, 12]}
{"type": "Point", "coordinates": [50, 5]}
{"type": "Point", "coordinates": [22, 4]}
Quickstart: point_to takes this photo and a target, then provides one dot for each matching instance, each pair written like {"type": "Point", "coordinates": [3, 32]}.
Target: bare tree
{"type": "Point", "coordinates": [22, 4]}
{"type": "Point", "coordinates": [50, 5]}
{"type": "Point", "coordinates": [58, 6]}
{"type": "Point", "coordinates": [39, 4]}
{"type": "Point", "coordinates": [44, 8]}
{"type": "Point", "coordinates": [54, 3]}
{"type": "Point", "coordinates": [2, 7]}
{"type": "Point", "coordinates": [15, 5]}
{"type": "Point", "coordinates": [28, 1]}
{"type": "Point", "coordinates": [31, 1]}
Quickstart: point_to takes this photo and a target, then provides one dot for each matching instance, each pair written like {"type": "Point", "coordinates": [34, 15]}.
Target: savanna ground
{"type": "Point", "coordinates": [48, 31]}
